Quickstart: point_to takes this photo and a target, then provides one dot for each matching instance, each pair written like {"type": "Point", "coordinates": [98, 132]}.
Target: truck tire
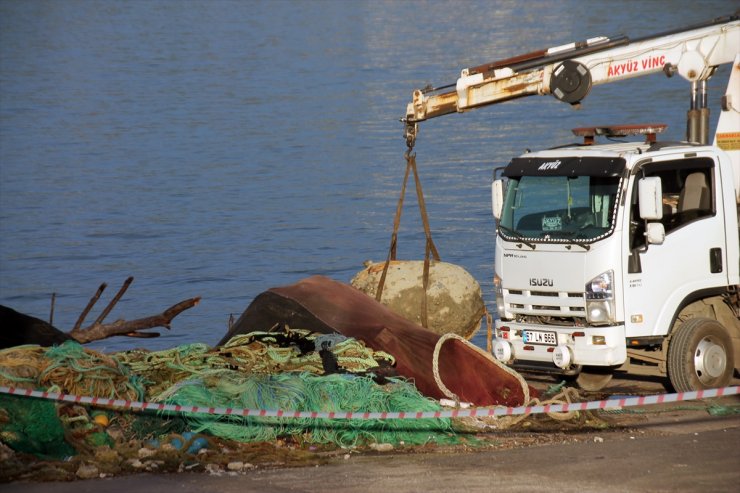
{"type": "Point", "coordinates": [593, 378]}
{"type": "Point", "coordinates": [700, 356]}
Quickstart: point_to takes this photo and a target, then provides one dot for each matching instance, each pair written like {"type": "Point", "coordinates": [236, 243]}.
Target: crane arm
{"type": "Point", "coordinates": [568, 72]}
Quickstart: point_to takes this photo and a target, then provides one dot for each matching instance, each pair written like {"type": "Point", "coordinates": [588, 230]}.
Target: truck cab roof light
{"type": "Point", "coordinates": [650, 130]}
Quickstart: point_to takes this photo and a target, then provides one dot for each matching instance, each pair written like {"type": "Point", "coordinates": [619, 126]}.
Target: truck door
{"type": "Point", "coordinates": [693, 256]}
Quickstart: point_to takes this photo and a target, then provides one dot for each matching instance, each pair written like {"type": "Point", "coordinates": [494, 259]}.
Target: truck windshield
{"type": "Point", "coordinates": [568, 208]}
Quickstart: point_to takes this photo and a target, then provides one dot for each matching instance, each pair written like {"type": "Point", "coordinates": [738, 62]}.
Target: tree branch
{"type": "Point", "coordinates": [113, 302]}
{"type": "Point", "coordinates": [99, 331]}
{"type": "Point", "coordinates": [89, 306]}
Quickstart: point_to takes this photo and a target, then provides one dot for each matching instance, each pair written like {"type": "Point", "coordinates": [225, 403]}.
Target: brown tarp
{"type": "Point", "coordinates": [323, 305]}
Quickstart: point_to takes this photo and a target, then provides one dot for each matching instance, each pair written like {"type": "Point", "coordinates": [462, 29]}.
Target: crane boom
{"type": "Point", "coordinates": [568, 72]}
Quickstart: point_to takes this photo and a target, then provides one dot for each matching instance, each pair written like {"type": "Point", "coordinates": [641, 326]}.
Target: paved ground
{"type": "Point", "coordinates": [671, 457]}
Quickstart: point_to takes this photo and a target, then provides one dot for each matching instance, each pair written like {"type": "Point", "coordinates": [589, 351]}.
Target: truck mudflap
{"type": "Point", "coordinates": [559, 348]}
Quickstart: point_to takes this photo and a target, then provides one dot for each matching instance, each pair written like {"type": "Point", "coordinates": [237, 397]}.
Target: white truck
{"type": "Point", "coordinates": [621, 255]}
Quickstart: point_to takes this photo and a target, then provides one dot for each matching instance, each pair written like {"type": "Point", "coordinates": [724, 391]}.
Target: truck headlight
{"type": "Point", "coordinates": [498, 290]}
{"type": "Point", "coordinates": [600, 299]}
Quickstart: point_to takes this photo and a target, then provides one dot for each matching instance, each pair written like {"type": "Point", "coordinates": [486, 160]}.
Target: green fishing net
{"type": "Point", "coordinates": [307, 392]}
{"type": "Point", "coordinates": [32, 426]}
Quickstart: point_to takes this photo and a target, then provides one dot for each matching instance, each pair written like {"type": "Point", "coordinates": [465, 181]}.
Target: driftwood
{"type": "Point", "coordinates": [19, 329]}
{"type": "Point", "coordinates": [131, 328]}
{"type": "Point", "coordinates": [98, 330]}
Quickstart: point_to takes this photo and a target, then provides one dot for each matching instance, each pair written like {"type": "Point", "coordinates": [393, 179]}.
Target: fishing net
{"type": "Point", "coordinates": [307, 392]}
{"type": "Point", "coordinates": [20, 366]}
{"type": "Point", "coordinates": [281, 369]}
{"type": "Point", "coordinates": [48, 429]}
{"type": "Point", "coordinates": [68, 368]}
{"type": "Point", "coordinates": [73, 369]}
{"type": "Point", "coordinates": [290, 350]}
{"type": "Point", "coordinates": [32, 426]}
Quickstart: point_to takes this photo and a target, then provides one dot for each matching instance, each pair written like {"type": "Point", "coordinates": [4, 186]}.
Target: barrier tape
{"type": "Point", "coordinates": [607, 404]}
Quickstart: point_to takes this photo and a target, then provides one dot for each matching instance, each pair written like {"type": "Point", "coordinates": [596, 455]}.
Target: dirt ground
{"type": "Point", "coordinates": [271, 466]}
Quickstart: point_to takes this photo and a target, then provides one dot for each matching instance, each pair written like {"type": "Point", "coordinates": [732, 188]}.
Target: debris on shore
{"type": "Point", "coordinates": [350, 354]}
{"type": "Point", "coordinates": [257, 371]}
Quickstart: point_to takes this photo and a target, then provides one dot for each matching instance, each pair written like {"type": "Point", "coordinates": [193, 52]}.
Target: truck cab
{"type": "Point", "coordinates": [620, 255]}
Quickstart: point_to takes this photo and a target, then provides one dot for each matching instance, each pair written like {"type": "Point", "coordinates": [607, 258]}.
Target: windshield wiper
{"type": "Point", "coordinates": [572, 241]}
{"type": "Point", "coordinates": [518, 236]}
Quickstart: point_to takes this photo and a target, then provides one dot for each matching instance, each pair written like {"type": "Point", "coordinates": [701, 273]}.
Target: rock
{"type": "Point", "coordinates": [381, 447]}
{"type": "Point", "coordinates": [235, 466]}
{"type": "Point", "coordinates": [454, 300]}
{"type": "Point", "coordinates": [153, 465]}
{"type": "Point", "coordinates": [134, 463]}
{"type": "Point", "coordinates": [5, 452]}
{"type": "Point", "coordinates": [87, 471]}
{"type": "Point", "coordinates": [146, 452]}
{"type": "Point", "coordinates": [107, 454]}
{"type": "Point", "coordinates": [115, 433]}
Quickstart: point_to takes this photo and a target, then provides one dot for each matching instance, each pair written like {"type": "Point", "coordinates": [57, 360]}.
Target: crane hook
{"type": "Point", "coordinates": [409, 132]}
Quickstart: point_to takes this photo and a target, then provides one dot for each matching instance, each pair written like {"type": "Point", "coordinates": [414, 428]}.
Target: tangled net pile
{"type": "Point", "coordinates": [289, 370]}
{"type": "Point", "coordinates": [307, 392]}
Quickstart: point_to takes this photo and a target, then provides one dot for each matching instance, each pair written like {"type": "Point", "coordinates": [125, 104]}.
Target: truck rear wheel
{"type": "Point", "coordinates": [593, 378]}
{"type": "Point", "coordinates": [700, 356]}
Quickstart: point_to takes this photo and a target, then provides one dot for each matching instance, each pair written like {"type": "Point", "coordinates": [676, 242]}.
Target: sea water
{"type": "Point", "coordinates": [220, 148]}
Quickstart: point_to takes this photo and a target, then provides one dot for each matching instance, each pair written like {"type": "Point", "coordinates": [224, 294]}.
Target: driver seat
{"type": "Point", "coordinates": [694, 194]}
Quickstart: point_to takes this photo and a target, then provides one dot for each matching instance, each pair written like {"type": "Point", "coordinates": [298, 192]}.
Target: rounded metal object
{"type": "Point", "coordinates": [710, 360]}
{"type": "Point", "coordinates": [570, 82]}
{"type": "Point", "coordinates": [700, 355]}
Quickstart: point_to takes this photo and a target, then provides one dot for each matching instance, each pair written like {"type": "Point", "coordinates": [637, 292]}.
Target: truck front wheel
{"type": "Point", "coordinates": [700, 356]}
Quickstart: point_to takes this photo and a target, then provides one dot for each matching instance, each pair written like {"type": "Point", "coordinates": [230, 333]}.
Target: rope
{"type": "Point", "coordinates": [438, 378]}
{"type": "Point", "coordinates": [80, 370]}
{"type": "Point", "coordinates": [489, 332]}
{"type": "Point", "coordinates": [256, 352]}
{"type": "Point", "coordinates": [566, 396]}
{"type": "Point", "coordinates": [430, 249]}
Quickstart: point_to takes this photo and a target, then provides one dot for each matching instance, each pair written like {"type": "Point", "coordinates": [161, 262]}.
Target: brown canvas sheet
{"type": "Point", "coordinates": [324, 305]}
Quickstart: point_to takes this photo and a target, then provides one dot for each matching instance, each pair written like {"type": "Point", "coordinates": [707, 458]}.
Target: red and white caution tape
{"type": "Point", "coordinates": [608, 404]}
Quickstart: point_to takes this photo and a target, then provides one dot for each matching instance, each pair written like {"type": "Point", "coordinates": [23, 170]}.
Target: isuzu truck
{"type": "Point", "coordinates": [619, 255]}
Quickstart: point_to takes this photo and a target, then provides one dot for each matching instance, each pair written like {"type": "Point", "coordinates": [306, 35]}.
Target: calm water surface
{"type": "Point", "coordinates": [218, 148]}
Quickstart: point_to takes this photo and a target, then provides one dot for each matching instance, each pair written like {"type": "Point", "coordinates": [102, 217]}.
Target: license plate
{"type": "Point", "coordinates": [540, 337]}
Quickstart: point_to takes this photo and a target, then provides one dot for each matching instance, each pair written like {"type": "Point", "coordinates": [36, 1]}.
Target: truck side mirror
{"type": "Point", "coordinates": [497, 198]}
{"type": "Point", "coordinates": [650, 192]}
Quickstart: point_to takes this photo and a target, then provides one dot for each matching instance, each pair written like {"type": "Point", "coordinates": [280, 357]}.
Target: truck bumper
{"type": "Point", "coordinates": [562, 346]}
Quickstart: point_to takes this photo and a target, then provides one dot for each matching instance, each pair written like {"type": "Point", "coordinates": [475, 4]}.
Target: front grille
{"type": "Point", "coordinates": [545, 303]}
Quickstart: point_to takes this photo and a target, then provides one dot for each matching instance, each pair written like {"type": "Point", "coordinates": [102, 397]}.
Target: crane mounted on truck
{"type": "Point", "coordinates": [622, 255]}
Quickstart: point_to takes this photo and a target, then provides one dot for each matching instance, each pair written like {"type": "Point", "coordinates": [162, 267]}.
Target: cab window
{"type": "Point", "coordinates": [688, 195]}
